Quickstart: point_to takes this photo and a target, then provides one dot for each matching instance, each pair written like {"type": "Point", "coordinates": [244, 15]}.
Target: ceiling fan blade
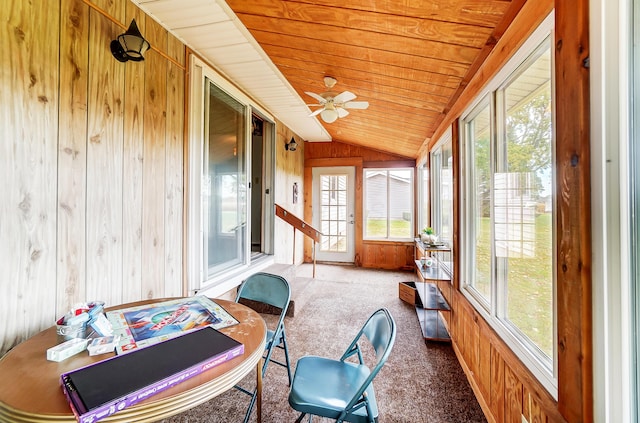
{"type": "Point", "coordinates": [318, 97]}
{"type": "Point", "coordinates": [317, 112]}
{"type": "Point", "coordinates": [344, 96]}
{"type": "Point", "coordinates": [341, 112]}
{"type": "Point", "coordinates": [356, 105]}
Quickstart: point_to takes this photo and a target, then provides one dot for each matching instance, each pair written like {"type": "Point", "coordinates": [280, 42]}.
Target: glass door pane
{"type": "Point", "coordinates": [225, 182]}
{"type": "Point", "coordinates": [333, 213]}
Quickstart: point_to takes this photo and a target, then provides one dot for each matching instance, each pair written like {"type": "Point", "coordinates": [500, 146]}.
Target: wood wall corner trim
{"type": "Point", "coordinates": [575, 374]}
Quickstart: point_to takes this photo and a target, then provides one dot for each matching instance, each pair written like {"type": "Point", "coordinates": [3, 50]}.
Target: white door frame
{"type": "Point", "coordinates": [350, 171]}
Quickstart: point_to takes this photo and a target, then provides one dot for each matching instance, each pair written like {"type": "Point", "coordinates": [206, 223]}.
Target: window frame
{"type": "Point", "coordinates": [197, 279]}
{"type": "Point", "coordinates": [435, 208]}
{"type": "Point", "coordinates": [387, 170]}
{"type": "Point", "coordinates": [546, 371]}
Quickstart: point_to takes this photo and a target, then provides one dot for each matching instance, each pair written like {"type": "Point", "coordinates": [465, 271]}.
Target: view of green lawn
{"type": "Point", "coordinates": [529, 283]}
{"type": "Point", "coordinates": [377, 228]}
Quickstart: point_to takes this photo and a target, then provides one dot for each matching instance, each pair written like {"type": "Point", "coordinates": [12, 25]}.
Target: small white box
{"type": "Point", "coordinates": [67, 349]}
{"type": "Point", "coordinates": [103, 345]}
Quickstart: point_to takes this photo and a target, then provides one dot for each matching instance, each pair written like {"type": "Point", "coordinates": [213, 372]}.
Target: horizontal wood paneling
{"type": "Point", "coordinates": [83, 131]}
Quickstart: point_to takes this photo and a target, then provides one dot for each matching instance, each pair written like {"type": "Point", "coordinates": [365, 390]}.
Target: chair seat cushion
{"type": "Point", "coordinates": [324, 387]}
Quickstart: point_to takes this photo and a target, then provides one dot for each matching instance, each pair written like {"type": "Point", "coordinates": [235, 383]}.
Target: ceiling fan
{"type": "Point", "coordinates": [334, 105]}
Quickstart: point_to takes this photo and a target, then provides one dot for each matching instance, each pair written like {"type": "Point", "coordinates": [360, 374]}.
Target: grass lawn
{"type": "Point", "coordinates": [529, 283]}
{"type": "Point", "coordinates": [378, 228]}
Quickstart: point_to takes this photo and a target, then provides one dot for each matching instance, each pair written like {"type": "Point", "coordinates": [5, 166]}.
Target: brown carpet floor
{"type": "Point", "coordinates": [419, 383]}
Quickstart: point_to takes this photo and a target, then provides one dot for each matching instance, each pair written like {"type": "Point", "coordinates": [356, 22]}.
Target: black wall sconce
{"type": "Point", "coordinates": [291, 145]}
{"type": "Point", "coordinates": [130, 45]}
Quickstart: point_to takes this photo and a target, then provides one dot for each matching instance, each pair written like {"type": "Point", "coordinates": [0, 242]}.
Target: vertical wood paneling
{"type": "Point", "coordinates": [308, 214]}
{"type": "Point", "coordinates": [133, 158]}
{"type": "Point", "coordinates": [72, 161]}
{"type": "Point", "coordinates": [28, 152]}
{"type": "Point", "coordinates": [174, 170]}
{"type": "Point", "coordinates": [289, 170]}
{"type": "Point", "coordinates": [489, 380]}
{"type": "Point", "coordinates": [474, 343]}
{"type": "Point", "coordinates": [513, 397]}
{"type": "Point", "coordinates": [496, 398]}
{"type": "Point", "coordinates": [154, 180]}
{"type": "Point", "coordinates": [72, 154]}
{"type": "Point", "coordinates": [531, 408]}
{"type": "Point", "coordinates": [104, 163]}
{"type": "Point", "coordinates": [575, 376]}
{"type": "Point", "coordinates": [484, 360]}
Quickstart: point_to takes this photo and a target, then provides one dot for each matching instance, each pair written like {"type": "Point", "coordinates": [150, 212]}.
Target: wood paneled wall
{"type": "Point", "coordinates": [91, 162]}
{"type": "Point", "coordinates": [371, 254]}
{"type": "Point", "coordinates": [289, 170]}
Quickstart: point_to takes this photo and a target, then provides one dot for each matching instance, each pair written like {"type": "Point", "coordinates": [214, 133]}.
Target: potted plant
{"type": "Point", "coordinates": [429, 236]}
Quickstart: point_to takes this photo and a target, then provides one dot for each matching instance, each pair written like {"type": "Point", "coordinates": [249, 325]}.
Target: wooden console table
{"type": "Point", "coordinates": [30, 384]}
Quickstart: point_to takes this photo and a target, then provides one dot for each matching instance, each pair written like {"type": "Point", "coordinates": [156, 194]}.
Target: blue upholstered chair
{"type": "Point", "coordinates": [342, 389]}
{"type": "Point", "coordinates": [272, 290]}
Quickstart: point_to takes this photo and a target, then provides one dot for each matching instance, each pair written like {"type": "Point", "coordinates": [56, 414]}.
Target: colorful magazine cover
{"type": "Point", "coordinates": [149, 324]}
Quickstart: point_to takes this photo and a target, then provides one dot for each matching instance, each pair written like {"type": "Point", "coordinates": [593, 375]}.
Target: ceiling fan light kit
{"type": "Point", "coordinates": [334, 105]}
{"type": "Point", "coordinates": [329, 115]}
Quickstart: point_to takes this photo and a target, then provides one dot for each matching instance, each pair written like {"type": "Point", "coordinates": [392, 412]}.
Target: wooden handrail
{"type": "Point", "coordinates": [298, 223]}
{"type": "Point", "coordinates": [302, 226]}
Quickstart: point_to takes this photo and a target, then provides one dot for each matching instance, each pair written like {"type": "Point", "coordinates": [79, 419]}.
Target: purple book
{"type": "Point", "coordinates": [104, 388]}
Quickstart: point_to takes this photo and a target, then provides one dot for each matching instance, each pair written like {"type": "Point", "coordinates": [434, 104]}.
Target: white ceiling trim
{"type": "Point", "coordinates": [211, 28]}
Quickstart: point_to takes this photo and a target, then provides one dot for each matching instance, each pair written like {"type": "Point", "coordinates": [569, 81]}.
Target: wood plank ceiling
{"type": "Point", "coordinates": [409, 59]}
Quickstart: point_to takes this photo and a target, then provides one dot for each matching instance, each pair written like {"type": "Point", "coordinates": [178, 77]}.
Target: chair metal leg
{"type": "Point", "coordinates": [286, 355]}
{"type": "Point", "coordinates": [300, 417]}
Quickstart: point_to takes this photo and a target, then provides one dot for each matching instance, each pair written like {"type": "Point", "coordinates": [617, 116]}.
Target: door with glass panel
{"type": "Point", "coordinates": [224, 190]}
{"type": "Point", "coordinates": [333, 212]}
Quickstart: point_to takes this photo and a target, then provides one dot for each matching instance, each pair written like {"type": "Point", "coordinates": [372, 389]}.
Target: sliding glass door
{"type": "Point", "coordinates": [224, 188]}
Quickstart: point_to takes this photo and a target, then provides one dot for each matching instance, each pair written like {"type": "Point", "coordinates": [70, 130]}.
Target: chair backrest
{"type": "Point", "coordinates": [380, 330]}
{"type": "Point", "coordinates": [266, 288]}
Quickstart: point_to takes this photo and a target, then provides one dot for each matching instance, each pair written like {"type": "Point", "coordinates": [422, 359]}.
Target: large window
{"type": "Point", "coordinates": [388, 210]}
{"type": "Point", "coordinates": [442, 196]}
{"type": "Point", "coordinates": [508, 244]}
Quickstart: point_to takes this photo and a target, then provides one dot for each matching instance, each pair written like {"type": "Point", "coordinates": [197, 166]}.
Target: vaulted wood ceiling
{"type": "Point", "coordinates": [410, 59]}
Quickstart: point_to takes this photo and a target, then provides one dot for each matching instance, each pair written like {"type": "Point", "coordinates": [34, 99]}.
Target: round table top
{"type": "Point", "coordinates": [30, 388]}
